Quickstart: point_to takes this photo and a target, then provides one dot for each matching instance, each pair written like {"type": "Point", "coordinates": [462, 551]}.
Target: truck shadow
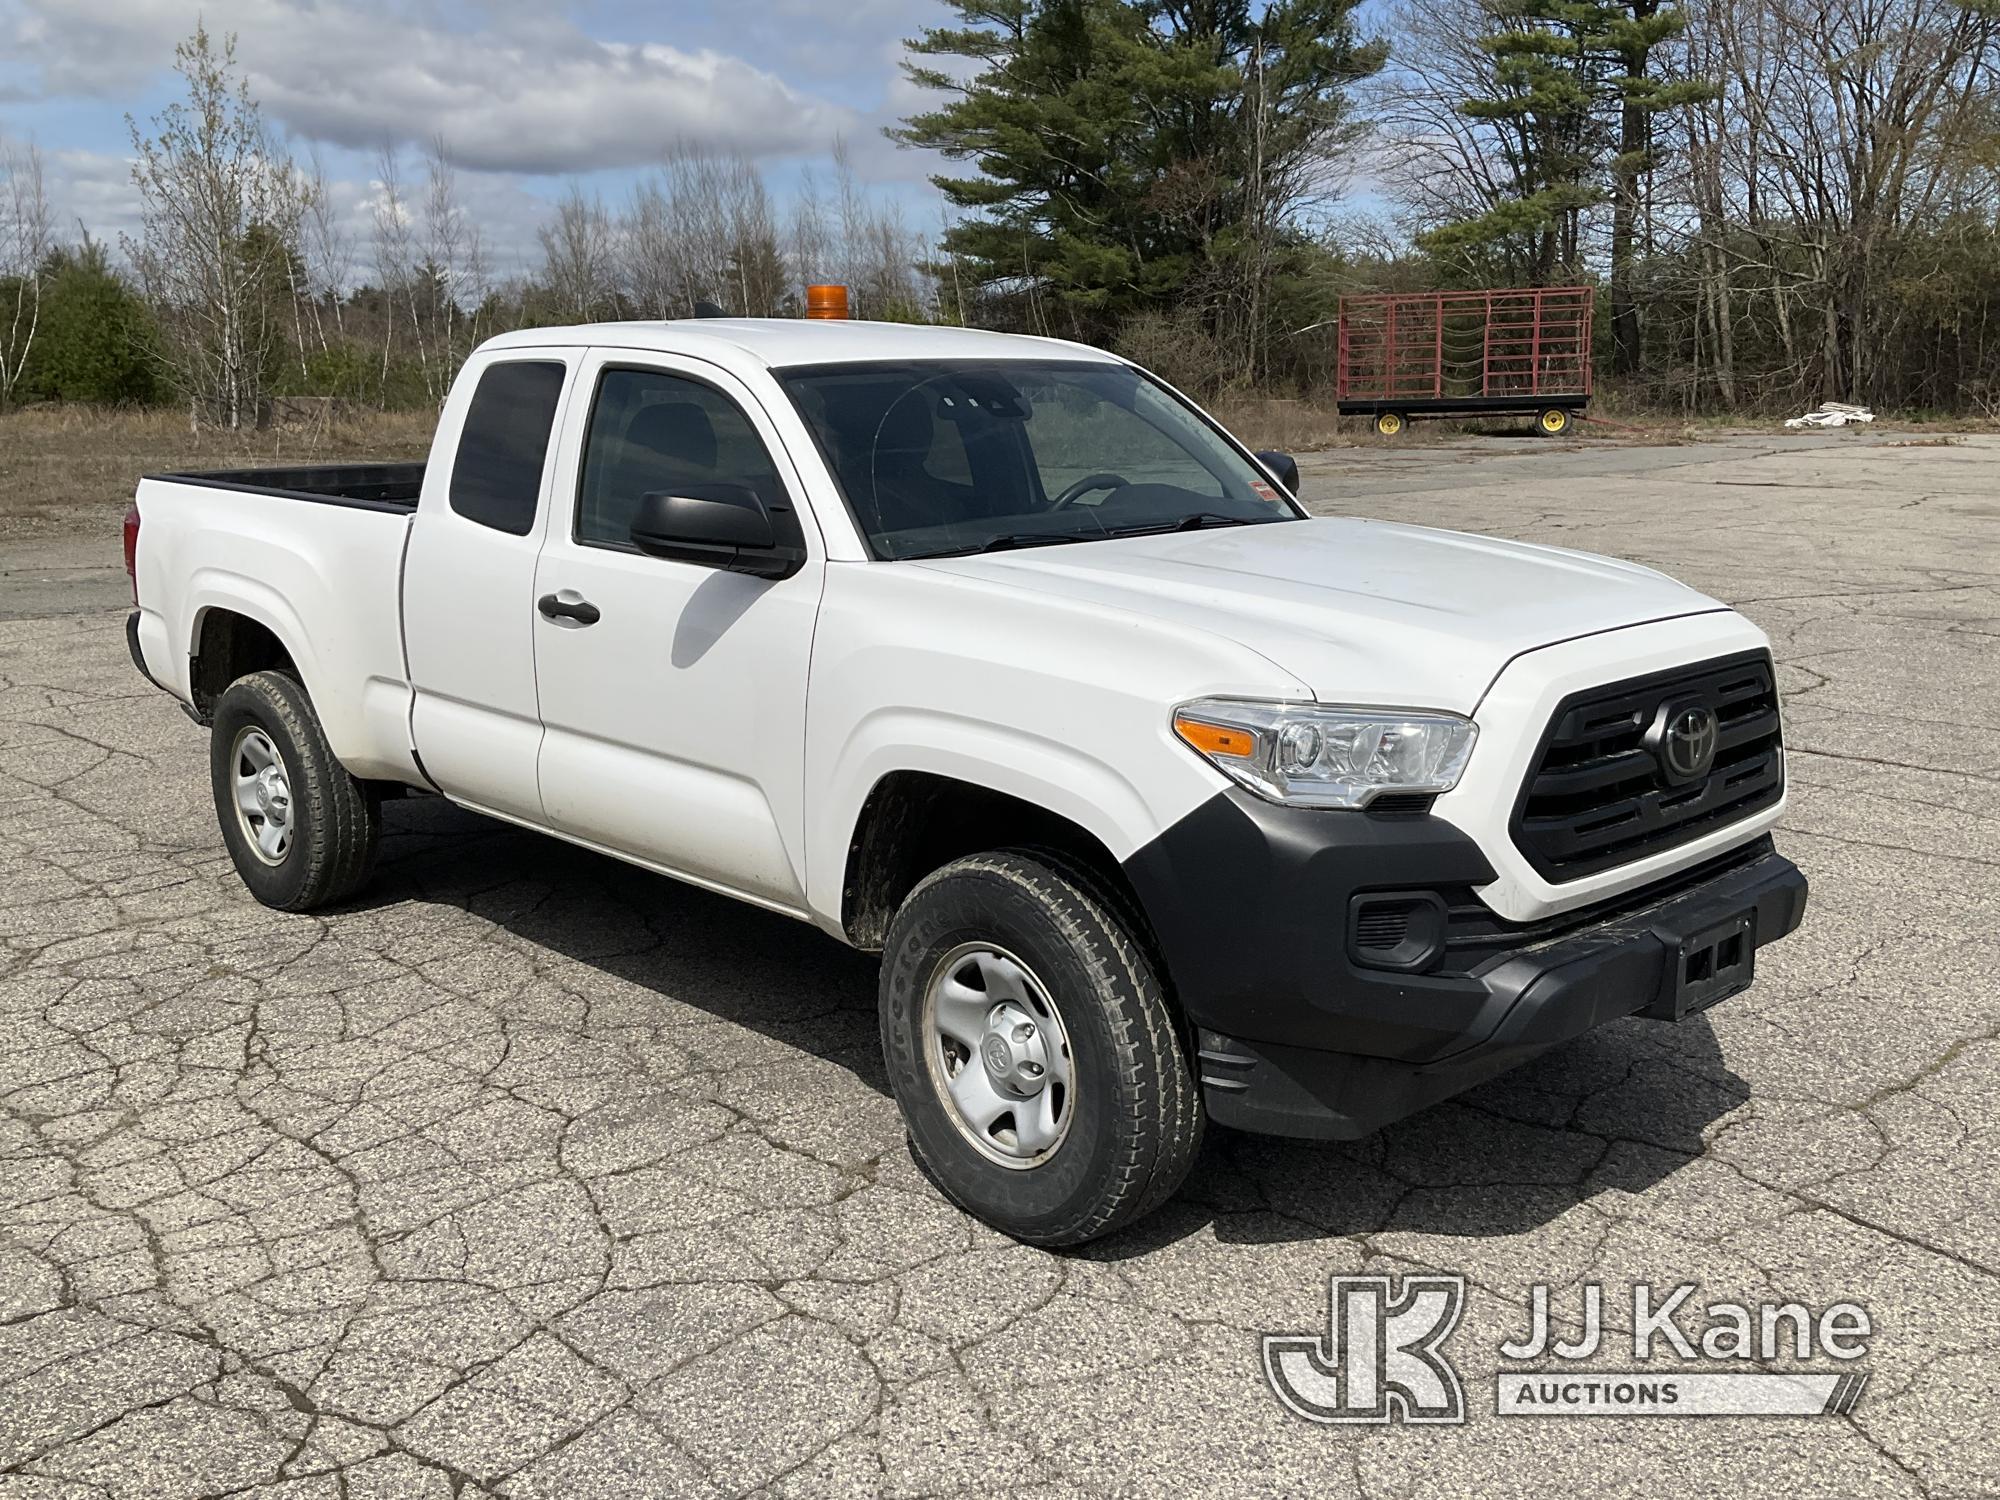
{"type": "Point", "coordinates": [723, 958]}
{"type": "Point", "coordinates": [1618, 1110]}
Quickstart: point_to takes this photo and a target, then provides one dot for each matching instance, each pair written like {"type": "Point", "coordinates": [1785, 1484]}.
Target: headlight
{"type": "Point", "coordinates": [1309, 756]}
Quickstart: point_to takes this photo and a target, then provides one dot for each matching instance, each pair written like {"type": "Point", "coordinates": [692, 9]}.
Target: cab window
{"type": "Point", "coordinates": [496, 475]}
{"type": "Point", "coordinates": [654, 431]}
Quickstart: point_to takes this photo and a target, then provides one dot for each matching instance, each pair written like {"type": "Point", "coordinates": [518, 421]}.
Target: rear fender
{"type": "Point", "coordinates": [365, 718]}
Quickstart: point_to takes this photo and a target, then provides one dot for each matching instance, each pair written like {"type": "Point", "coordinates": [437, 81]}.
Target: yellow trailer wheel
{"type": "Point", "coordinates": [1388, 423]}
{"type": "Point", "coordinates": [1554, 421]}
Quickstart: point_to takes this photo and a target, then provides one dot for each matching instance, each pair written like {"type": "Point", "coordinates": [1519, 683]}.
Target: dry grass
{"type": "Point", "coordinates": [1289, 425]}
{"type": "Point", "coordinates": [65, 469]}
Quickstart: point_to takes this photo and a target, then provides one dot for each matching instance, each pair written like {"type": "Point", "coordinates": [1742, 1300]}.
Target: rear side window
{"type": "Point", "coordinates": [497, 476]}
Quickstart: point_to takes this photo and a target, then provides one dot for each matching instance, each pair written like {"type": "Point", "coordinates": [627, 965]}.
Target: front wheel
{"type": "Point", "coordinates": [1554, 421]}
{"type": "Point", "coordinates": [1033, 1052]}
{"type": "Point", "coordinates": [301, 831]}
{"type": "Point", "coordinates": [1389, 424]}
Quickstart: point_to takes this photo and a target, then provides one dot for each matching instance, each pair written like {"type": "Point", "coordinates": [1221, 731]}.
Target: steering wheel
{"type": "Point", "coordinates": [1085, 485]}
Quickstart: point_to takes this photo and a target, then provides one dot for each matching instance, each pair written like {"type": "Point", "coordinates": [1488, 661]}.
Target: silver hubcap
{"type": "Point", "coordinates": [263, 795]}
{"type": "Point", "coordinates": [998, 1055]}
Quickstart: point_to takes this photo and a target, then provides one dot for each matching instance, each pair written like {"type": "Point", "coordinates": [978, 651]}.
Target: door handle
{"type": "Point", "coordinates": [568, 605]}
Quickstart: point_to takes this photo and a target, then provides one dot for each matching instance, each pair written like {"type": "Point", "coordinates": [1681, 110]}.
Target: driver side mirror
{"type": "Point", "coordinates": [716, 525]}
{"type": "Point", "coordinates": [1284, 467]}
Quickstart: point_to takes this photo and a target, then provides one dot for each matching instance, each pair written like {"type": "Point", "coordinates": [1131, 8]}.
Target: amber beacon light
{"type": "Point", "coordinates": [826, 301]}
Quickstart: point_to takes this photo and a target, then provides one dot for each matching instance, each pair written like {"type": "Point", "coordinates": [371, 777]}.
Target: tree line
{"type": "Point", "coordinates": [245, 283]}
{"type": "Point", "coordinates": [1779, 201]}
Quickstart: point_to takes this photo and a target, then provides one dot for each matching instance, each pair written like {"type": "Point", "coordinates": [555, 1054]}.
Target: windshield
{"type": "Point", "coordinates": [940, 458]}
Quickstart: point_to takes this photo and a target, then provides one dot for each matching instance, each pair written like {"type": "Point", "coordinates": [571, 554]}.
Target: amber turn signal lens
{"type": "Point", "coordinates": [1216, 739]}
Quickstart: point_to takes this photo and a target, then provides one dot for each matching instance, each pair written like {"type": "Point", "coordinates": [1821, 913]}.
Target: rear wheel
{"type": "Point", "coordinates": [1388, 423]}
{"type": "Point", "coordinates": [301, 831]}
{"type": "Point", "coordinates": [1033, 1052]}
{"type": "Point", "coordinates": [1554, 421]}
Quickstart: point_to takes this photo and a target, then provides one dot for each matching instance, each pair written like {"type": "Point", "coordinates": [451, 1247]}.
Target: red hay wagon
{"type": "Point", "coordinates": [1519, 350]}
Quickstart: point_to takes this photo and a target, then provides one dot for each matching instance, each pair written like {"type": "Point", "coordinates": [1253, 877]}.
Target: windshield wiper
{"type": "Point", "coordinates": [1013, 539]}
{"type": "Point", "coordinates": [1009, 541]}
{"type": "Point", "coordinates": [1199, 521]}
{"type": "Point", "coordinates": [1006, 542]}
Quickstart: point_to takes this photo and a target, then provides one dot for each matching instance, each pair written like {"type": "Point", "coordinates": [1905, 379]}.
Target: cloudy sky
{"type": "Point", "coordinates": [524, 92]}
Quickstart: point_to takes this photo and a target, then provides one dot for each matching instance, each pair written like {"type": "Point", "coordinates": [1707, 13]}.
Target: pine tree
{"type": "Point", "coordinates": [1640, 27]}
{"type": "Point", "coordinates": [1570, 107]}
{"type": "Point", "coordinates": [1136, 155]}
{"type": "Point", "coordinates": [97, 335]}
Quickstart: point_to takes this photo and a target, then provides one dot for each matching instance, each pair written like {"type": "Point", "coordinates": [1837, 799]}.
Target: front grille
{"type": "Point", "coordinates": [1597, 796]}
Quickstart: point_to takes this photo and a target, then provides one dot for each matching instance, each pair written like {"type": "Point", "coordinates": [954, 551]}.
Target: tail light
{"type": "Point", "coordinates": [132, 550]}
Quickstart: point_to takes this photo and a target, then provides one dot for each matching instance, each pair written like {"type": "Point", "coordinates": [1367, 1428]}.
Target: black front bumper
{"type": "Point", "coordinates": [1295, 1037]}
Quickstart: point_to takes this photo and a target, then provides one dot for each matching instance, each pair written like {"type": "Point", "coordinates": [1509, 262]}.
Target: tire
{"type": "Point", "coordinates": [309, 839]}
{"type": "Point", "coordinates": [1130, 1119]}
{"type": "Point", "coordinates": [1389, 424]}
{"type": "Point", "coordinates": [1553, 422]}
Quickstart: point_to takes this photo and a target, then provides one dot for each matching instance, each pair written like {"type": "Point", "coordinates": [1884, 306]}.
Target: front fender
{"type": "Point", "coordinates": [1123, 807]}
{"type": "Point", "coordinates": [1063, 704]}
{"type": "Point", "coordinates": [1019, 762]}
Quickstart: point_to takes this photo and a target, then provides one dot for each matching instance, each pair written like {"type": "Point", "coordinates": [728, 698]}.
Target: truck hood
{"type": "Point", "coordinates": [1361, 611]}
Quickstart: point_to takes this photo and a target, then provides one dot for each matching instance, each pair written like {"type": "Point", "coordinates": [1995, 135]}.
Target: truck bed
{"type": "Point", "coordinates": [324, 577]}
{"type": "Point", "coordinates": [390, 486]}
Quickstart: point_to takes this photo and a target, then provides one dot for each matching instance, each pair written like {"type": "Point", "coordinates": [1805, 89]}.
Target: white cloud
{"type": "Point", "coordinates": [514, 87]}
{"type": "Point", "coordinates": [528, 92]}
{"type": "Point", "coordinates": [92, 189]}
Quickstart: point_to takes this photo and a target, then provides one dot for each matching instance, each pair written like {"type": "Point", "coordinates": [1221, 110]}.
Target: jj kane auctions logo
{"type": "Point", "coordinates": [1382, 1357]}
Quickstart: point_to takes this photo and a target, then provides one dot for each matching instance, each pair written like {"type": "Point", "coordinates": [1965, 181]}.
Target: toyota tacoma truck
{"type": "Point", "coordinates": [1162, 801]}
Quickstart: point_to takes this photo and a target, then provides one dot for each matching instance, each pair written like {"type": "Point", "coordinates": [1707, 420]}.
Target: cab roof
{"type": "Point", "coordinates": [777, 343]}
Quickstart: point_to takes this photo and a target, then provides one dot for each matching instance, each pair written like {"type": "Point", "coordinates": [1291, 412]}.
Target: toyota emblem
{"type": "Point", "coordinates": [1683, 739]}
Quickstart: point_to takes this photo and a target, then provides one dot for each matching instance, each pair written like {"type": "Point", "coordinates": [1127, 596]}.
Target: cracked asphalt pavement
{"type": "Point", "coordinates": [530, 1174]}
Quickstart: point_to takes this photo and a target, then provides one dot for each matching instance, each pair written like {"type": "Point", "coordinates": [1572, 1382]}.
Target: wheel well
{"type": "Point", "coordinates": [231, 646]}
{"type": "Point", "coordinates": [914, 822]}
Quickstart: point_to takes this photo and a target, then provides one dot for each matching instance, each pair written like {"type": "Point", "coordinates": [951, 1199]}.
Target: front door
{"type": "Point", "coordinates": [673, 695]}
{"type": "Point", "coordinates": [469, 576]}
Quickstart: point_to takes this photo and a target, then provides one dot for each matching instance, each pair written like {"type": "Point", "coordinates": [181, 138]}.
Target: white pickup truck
{"type": "Point", "coordinates": [1162, 801]}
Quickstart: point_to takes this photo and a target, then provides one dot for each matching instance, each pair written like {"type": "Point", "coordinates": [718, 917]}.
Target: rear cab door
{"type": "Point", "coordinates": [674, 709]}
{"type": "Point", "coordinates": [469, 576]}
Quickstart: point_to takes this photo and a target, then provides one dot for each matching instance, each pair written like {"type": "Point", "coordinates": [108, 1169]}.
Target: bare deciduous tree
{"type": "Point", "coordinates": [649, 253]}
{"type": "Point", "coordinates": [809, 236]}
{"type": "Point", "coordinates": [395, 268]}
{"type": "Point", "coordinates": [579, 260]}
{"type": "Point", "coordinates": [24, 247]}
{"type": "Point", "coordinates": [879, 258]}
{"type": "Point", "coordinates": [327, 252]}
{"type": "Point", "coordinates": [453, 279]}
{"type": "Point", "coordinates": [701, 229]}
{"type": "Point", "coordinates": [220, 210]}
{"type": "Point", "coordinates": [1851, 123]}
